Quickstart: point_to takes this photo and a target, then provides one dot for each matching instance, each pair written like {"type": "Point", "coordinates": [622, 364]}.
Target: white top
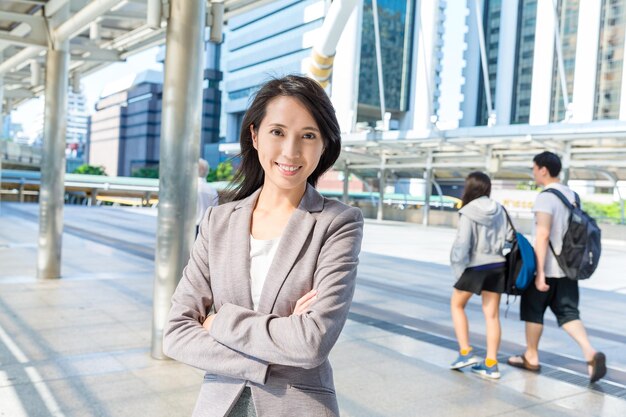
{"type": "Point", "coordinates": [552, 205]}
{"type": "Point", "coordinates": [207, 197]}
{"type": "Point", "coordinates": [261, 256]}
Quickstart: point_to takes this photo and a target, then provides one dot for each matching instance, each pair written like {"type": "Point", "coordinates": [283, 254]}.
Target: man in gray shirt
{"type": "Point", "coordinates": [552, 288]}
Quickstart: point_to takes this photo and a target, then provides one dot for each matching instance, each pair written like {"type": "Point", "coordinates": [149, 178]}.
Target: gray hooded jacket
{"type": "Point", "coordinates": [481, 236]}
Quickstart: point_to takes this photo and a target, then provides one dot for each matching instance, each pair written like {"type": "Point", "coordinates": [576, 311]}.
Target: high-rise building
{"type": "Point", "coordinates": [563, 61]}
{"type": "Point", "coordinates": [125, 129]}
{"type": "Point", "coordinates": [277, 39]}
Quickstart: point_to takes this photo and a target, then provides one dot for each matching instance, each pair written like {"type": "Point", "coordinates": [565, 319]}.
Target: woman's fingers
{"type": "Point", "coordinates": [304, 302]}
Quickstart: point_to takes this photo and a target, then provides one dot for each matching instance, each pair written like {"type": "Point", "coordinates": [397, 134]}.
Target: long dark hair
{"type": "Point", "coordinates": [477, 184]}
{"type": "Point", "coordinates": [250, 175]}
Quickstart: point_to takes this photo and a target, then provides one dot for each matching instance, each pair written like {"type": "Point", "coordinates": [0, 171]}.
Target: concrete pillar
{"type": "Point", "coordinates": [506, 62]}
{"type": "Point", "coordinates": [583, 99]}
{"type": "Point", "coordinates": [471, 72]}
{"type": "Point", "coordinates": [52, 190]}
{"type": "Point", "coordinates": [543, 64]}
{"type": "Point", "coordinates": [180, 142]}
{"type": "Point", "coordinates": [345, 84]}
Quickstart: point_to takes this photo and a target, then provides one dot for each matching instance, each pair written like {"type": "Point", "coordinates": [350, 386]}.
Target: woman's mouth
{"type": "Point", "coordinates": [288, 169]}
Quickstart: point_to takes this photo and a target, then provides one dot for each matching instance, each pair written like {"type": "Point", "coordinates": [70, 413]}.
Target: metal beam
{"type": "Point", "coordinates": [81, 20]}
{"type": "Point", "coordinates": [23, 41]}
{"type": "Point", "coordinates": [180, 149]}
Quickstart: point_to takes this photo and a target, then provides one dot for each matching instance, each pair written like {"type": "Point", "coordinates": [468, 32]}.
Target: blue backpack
{"type": "Point", "coordinates": [521, 265]}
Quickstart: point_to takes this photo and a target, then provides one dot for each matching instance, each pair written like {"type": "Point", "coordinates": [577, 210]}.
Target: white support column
{"type": "Point", "coordinates": [622, 104]}
{"type": "Point", "coordinates": [583, 99]}
{"type": "Point", "coordinates": [471, 73]}
{"type": "Point", "coordinates": [428, 186]}
{"type": "Point", "coordinates": [345, 78]}
{"type": "Point", "coordinates": [426, 22]}
{"type": "Point", "coordinates": [52, 189]}
{"type": "Point", "coordinates": [382, 173]}
{"type": "Point", "coordinates": [543, 64]}
{"type": "Point", "coordinates": [506, 62]}
{"type": "Point", "coordinates": [180, 149]}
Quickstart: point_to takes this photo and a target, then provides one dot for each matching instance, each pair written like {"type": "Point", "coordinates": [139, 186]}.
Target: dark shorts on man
{"type": "Point", "coordinates": [562, 298]}
{"type": "Point", "coordinates": [482, 278]}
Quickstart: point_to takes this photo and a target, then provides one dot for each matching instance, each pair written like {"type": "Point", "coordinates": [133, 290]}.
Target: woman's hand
{"type": "Point", "coordinates": [303, 304]}
{"type": "Point", "coordinates": [208, 321]}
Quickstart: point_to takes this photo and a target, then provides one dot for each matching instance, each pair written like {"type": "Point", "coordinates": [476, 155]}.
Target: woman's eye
{"type": "Point", "coordinates": [309, 136]}
{"type": "Point", "coordinates": [276, 132]}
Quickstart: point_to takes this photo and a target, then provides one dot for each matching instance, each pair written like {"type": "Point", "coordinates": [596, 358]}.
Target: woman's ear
{"type": "Point", "coordinates": [254, 137]}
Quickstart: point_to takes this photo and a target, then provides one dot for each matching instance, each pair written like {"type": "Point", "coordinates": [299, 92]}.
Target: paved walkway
{"type": "Point", "coordinates": [79, 346]}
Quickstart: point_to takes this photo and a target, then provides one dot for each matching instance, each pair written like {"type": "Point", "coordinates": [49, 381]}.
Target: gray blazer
{"type": "Point", "coordinates": [283, 358]}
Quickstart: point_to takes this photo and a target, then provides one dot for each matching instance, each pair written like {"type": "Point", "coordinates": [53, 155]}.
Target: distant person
{"type": "Point", "coordinates": [552, 288]}
{"type": "Point", "coordinates": [479, 265]}
{"type": "Point", "coordinates": [272, 273]}
{"type": "Point", "coordinates": [207, 195]}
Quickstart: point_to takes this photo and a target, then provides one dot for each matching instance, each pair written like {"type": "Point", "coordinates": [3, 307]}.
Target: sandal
{"type": "Point", "coordinates": [519, 361]}
{"type": "Point", "coordinates": [598, 367]}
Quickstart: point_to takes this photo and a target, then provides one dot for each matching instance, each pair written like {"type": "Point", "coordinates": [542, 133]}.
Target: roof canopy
{"type": "Point", "coordinates": [101, 32]}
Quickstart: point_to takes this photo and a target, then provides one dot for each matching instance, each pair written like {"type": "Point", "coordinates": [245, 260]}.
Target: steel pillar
{"type": "Point", "coordinates": [428, 186]}
{"type": "Point", "coordinates": [51, 192]}
{"type": "Point", "coordinates": [180, 149]}
{"type": "Point", "coordinates": [381, 188]}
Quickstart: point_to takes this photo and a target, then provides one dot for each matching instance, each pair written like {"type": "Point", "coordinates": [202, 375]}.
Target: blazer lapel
{"type": "Point", "coordinates": [239, 250]}
{"type": "Point", "coordinates": [291, 244]}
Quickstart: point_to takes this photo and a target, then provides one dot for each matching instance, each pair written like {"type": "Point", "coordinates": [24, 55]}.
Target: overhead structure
{"type": "Point", "coordinates": [101, 32]}
{"type": "Point", "coordinates": [323, 52]}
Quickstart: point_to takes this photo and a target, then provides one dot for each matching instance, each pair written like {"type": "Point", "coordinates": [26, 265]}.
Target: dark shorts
{"type": "Point", "coordinates": [562, 298]}
{"type": "Point", "coordinates": [477, 280]}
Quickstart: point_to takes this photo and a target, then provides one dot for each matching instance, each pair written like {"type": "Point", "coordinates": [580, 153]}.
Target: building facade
{"type": "Point", "coordinates": [125, 130]}
{"type": "Point", "coordinates": [575, 73]}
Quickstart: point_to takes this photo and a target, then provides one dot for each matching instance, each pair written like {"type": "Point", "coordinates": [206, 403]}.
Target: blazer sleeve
{"type": "Point", "coordinates": [462, 247]}
{"type": "Point", "coordinates": [184, 337]}
{"type": "Point", "coordinates": [302, 340]}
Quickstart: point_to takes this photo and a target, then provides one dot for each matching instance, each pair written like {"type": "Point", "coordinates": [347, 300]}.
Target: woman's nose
{"type": "Point", "coordinates": [291, 147]}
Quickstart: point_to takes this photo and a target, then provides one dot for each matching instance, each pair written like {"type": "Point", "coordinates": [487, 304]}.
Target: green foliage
{"type": "Point", "coordinates": [146, 172]}
{"type": "Point", "coordinates": [223, 172]}
{"type": "Point", "coordinates": [527, 185]}
{"type": "Point", "coordinates": [605, 212]}
{"type": "Point", "coordinates": [90, 170]}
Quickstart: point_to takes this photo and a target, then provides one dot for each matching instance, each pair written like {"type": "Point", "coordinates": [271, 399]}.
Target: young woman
{"type": "Point", "coordinates": [479, 266]}
{"type": "Point", "coordinates": [277, 265]}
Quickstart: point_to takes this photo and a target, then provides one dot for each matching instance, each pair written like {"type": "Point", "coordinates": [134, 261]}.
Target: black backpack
{"type": "Point", "coordinates": [581, 243]}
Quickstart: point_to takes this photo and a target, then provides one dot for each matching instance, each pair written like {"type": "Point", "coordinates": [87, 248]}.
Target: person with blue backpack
{"type": "Point", "coordinates": [567, 248]}
{"type": "Point", "coordinates": [479, 264]}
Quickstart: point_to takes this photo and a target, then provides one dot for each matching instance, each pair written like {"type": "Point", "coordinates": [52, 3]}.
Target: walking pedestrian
{"type": "Point", "coordinates": [479, 265]}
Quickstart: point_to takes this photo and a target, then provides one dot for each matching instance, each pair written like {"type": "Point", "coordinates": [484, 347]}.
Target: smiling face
{"type": "Point", "coordinates": [289, 144]}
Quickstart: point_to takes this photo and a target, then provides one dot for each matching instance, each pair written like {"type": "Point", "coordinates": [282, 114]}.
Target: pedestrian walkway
{"type": "Point", "coordinates": [80, 346]}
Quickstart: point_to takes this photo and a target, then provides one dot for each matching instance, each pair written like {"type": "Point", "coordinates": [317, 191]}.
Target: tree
{"type": "Point", "coordinates": [223, 172]}
{"type": "Point", "coordinates": [90, 170]}
{"type": "Point", "coordinates": [146, 172]}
